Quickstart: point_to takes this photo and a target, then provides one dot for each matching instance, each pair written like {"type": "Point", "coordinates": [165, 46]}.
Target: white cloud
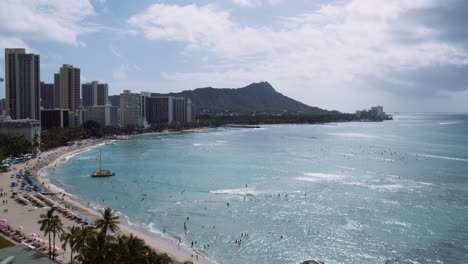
{"type": "Point", "coordinates": [314, 56]}
{"type": "Point", "coordinates": [121, 72]}
{"type": "Point", "coordinates": [243, 2]}
{"type": "Point", "coordinates": [57, 20]}
{"type": "Point", "coordinates": [12, 42]}
{"type": "Point", "coordinates": [253, 3]}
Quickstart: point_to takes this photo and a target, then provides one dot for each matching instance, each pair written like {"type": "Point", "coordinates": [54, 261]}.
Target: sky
{"type": "Point", "coordinates": [342, 55]}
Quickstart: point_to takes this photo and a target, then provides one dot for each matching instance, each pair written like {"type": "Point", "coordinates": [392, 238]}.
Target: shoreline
{"type": "Point", "coordinates": [162, 243]}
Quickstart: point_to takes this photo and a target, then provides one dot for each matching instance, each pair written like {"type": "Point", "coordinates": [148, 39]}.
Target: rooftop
{"type": "Point", "coordinates": [22, 254]}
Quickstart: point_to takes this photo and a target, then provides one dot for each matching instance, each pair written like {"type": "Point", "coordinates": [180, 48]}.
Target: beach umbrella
{"type": "Point", "coordinates": [2, 224]}
{"type": "Point", "coordinates": [33, 234]}
{"type": "Point", "coordinates": [87, 220]}
{"type": "Point", "coordinates": [3, 220]}
{"type": "Point", "coordinates": [20, 228]}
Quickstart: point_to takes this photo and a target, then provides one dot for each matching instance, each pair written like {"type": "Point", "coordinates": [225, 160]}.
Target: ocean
{"type": "Point", "coordinates": [355, 192]}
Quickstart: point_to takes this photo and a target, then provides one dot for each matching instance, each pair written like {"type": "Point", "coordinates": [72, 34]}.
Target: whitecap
{"type": "Point", "coordinates": [353, 225]}
{"type": "Point", "coordinates": [441, 157]}
{"type": "Point", "coordinates": [352, 134]}
{"type": "Point", "coordinates": [316, 177]}
{"type": "Point", "coordinates": [346, 168]}
{"type": "Point", "coordinates": [394, 222]}
{"type": "Point", "coordinates": [450, 122]}
{"type": "Point", "coordinates": [239, 191]}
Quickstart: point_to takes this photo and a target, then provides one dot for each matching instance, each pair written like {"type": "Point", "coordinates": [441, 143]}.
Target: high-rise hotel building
{"type": "Point", "coordinates": [68, 87]}
{"type": "Point", "coordinates": [22, 84]}
{"type": "Point", "coordinates": [94, 93]}
{"type": "Point", "coordinates": [131, 109]}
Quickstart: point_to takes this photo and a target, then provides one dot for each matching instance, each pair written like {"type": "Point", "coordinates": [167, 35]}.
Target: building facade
{"type": "Point", "coordinates": [182, 108]}
{"type": "Point", "coordinates": [2, 106]}
{"type": "Point", "coordinates": [55, 118]}
{"type": "Point", "coordinates": [69, 86]}
{"type": "Point", "coordinates": [22, 84]}
{"type": "Point", "coordinates": [106, 115]}
{"type": "Point", "coordinates": [78, 117]}
{"type": "Point", "coordinates": [114, 100]}
{"type": "Point", "coordinates": [47, 96]}
{"type": "Point", "coordinates": [130, 109]}
{"type": "Point", "coordinates": [28, 128]}
{"type": "Point", "coordinates": [159, 109]}
{"type": "Point", "coordinates": [94, 93]}
{"type": "Point", "coordinates": [57, 90]}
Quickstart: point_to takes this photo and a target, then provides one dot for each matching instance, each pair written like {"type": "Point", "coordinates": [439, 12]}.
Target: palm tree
{"type": "Point", "coordinates": [70, 237]}
{"type": "Point", "coordinates": [82, 235]}
{"type": "Point", "coordinates": [46, 223]}
{"type": "Point", "coordinates": [98, 248]}
{"type": "Point", "coordinates": [56, 228]}
{"type": "Point", "coordinates": [108, 221]}
{"type": "Point", "coordinates": [131, 249]}
{"type": "Point", "coordinates": [155, 258]}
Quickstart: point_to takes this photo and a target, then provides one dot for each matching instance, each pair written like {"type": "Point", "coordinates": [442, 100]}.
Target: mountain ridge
{"type": "Point", "coordinates": [254, 98]}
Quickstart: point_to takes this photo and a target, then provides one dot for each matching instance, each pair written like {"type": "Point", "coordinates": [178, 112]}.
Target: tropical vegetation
{"type": "Point", "coordinates": [102, 243]}
{"type": "Point", "coordinates": [14, 146]}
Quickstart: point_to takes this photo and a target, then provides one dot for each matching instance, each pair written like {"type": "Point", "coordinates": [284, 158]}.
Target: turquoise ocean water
{"type": "Point", "coordinates": [386, 192]}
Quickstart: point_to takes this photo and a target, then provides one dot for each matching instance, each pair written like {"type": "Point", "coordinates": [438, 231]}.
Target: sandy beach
{"type": "Point", "coordinates": [26, 216]}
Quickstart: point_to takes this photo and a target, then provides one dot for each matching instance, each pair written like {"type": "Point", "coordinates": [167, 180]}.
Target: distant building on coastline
{"type": "Point", "coordinates": [160, 109]}
{"type": "Point", "coordinates": [131, 109]}
{"type": "Point", "coordinates": [106, 115]}
{"type": "Point", "coordinates": [182, 108]}
{"type": "Point", "coordinates": [47, 95]}
{"type": "Point", "coordinates": [375, 113]}
{"type": "Point", "coordinates": [55, 118]}
{"type": "Point", "coordinates": [94, 93]}
{"type": "Point", "coordinates": [28, 128]}
{"type": "Point", "coordinates": [22, 84]}
{"type": "Point", "coordinates": [168, 109]}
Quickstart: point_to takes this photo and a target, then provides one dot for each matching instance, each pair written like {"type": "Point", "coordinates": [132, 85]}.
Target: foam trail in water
{"type": "Point", "coordinates": [359, 135]}
{"type": "Point", "coordinates": [441, 157]}
{"type": "Point", "coordinates": [316, 177]}
{"type": "Point", "coordinates": [239, 191]}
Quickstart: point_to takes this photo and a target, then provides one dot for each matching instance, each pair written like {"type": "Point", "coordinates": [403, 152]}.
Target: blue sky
{"type": "Point", "coordinates": [344, 55]}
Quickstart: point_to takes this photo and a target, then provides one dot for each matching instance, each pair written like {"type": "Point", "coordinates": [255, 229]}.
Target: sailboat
{"type": "Point", "coordinates": [101, 172]}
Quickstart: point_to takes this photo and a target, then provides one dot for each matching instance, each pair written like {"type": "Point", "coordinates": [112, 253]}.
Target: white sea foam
{"type": "Point", "coordinates": [352, 134]}
{"type": "Point", "coordinates": [317, 177]}
{"type": "Point", "coordinates": [385, 159]}
{"type": "Point", "coordinates": [427, 183]}
{"type": "Point", "coordinates": [441, 157]}
{"type": "Point", "coordinates": [209, 144]}
{"type": "Point", "coordinates": [384, 187]}
{"type": "Point", "coordinates": [394, 222]}
{"type": "Point", "coordinates": [346, 168]}
{"type": "Point", "coordinates": [239, 191]}
{"type": "Point", "coordinates": [456, 122]}
{"type": "Point", "coordinates": [353, 225]}
{"type": "Point", "coordinates": [347, 154]}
